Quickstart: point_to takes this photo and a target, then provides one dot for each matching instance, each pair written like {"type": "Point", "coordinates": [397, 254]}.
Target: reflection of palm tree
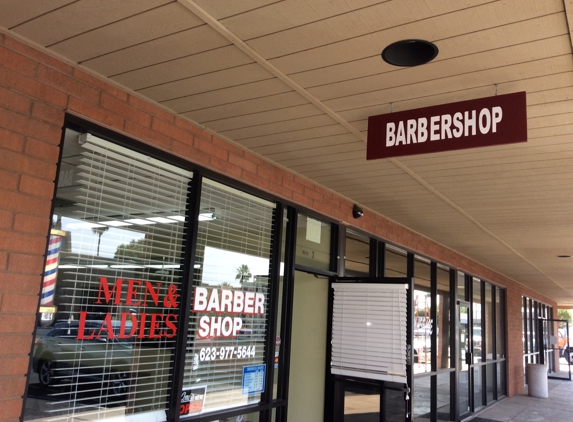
{"type": "Point", "coordinates": [243, 273]}
{"type": "Point", "coordinates": [99, 231]}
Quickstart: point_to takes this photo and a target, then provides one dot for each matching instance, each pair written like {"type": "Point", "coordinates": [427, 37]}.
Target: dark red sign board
{"type": "Point", "coordinates": [466, 124]}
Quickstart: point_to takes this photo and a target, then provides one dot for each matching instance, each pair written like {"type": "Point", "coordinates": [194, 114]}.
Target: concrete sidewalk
{"type": "Point", "coordinates": [522, 408]}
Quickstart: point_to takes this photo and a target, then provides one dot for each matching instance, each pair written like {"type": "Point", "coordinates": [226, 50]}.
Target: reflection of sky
{"type": "Point", "coordinates": [220, 266]}
{"type": "Point", "coordinates": [84, 240]}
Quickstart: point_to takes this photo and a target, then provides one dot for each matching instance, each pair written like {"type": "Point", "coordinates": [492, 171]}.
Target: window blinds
{"type": "Point", "coordinates": [369, 331]}
{"type": "Point", "coordinates": [234, 243]}
{"type": "Point", "coordinates": [111, 349]}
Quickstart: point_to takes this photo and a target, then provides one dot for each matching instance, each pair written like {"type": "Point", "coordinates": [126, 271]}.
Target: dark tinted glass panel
{"type": "Point", "coordinates": [423, 324]}
{"type": "Point", "coordinates": [444, 396]}
{"type": "Point", "coordinates": [361, 403]}
{"type": "Point", "coordinates": [489, 323]}
{"type": "Point", "coordinates": [422, 399]}
{"type": "Point", "coordinates": [478, 387]}
{"type": "Point", "coordinates": [491, 384]}
{"type": "Point", "coordinates": [500, 321]}
{"type": "Point", "coordinates": [395, 410]}
{"type": "Point", "coordinates": [313, 243]}
{"type": "Point", "coordinates": [501, 380]}
{"type": "Point", "coordinates": [443, 325]}
{"type": "Point", "coordinates": [357, 256]}
{"type": "Point", "coordinates": [461, 285]}
{"type": "Point", "coordinates": [396, 262]}
{"type": "Point", "coordinates": [477, 314]}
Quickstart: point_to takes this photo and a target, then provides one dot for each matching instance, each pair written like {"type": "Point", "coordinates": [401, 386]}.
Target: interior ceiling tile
{"type": "Point", "coordinates": [79, 17]}
{"type": "Point", "coordinates": [18, 11]}
{"type": "Point", "coordinates": [137, 29]}
{"type": "Point", "coordinates": [265, 117]}
{"type": "Point", "coordinates": [227, 95]}
{"type": "Point", "coordinates": [243, 108]}
{"type": "Point", "coordinates": [214, 79]}
{"type": "Point", "coordinates": [279, 127]}
{"type": "Point", "coordinates": [197, 64]}
{"type": "Point", "coordinates": [160, 50]}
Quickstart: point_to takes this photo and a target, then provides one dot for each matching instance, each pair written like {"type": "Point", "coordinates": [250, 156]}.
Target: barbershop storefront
{"type": "Point", "coordinates": [173, 293]}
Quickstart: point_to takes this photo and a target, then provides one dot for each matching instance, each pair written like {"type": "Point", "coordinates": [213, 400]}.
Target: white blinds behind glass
{"type": "Point", "coordinates": [124, 218]}
{"type": "Point", "coordinates": [233, 254]}
{"type": "Point", "coordinates": [369, 331]}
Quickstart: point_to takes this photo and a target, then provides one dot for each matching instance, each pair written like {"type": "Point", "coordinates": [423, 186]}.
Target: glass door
{"type": "Point", "coordinates": [464, 358]}
{"type": "Point", "coordinates": [370, 370]}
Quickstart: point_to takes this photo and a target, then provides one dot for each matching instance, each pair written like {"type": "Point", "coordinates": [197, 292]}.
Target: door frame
{"type": "Point", "coordinates": [543, 346]}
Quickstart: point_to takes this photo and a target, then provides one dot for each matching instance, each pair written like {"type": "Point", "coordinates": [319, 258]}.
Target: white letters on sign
{"type": "Point", "coordinates": [446, 126]}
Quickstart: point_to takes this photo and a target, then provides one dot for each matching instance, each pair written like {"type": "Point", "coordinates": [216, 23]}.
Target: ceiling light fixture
{"type": "Point", "coordinates": [563, 256]}
{"type": "Point", "coordinates": [408, 53]}
{"type": "Point", "coordinates": [207, 216]}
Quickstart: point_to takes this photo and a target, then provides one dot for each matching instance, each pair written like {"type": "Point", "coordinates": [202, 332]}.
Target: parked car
{"type": "Point", "coordinates": [59, 358]}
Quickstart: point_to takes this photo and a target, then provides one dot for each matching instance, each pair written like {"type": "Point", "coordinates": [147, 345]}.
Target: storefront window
{"type": "Point", "coordinates": [396, 264]}
{"type": "Point", "coordinates": [477, 322]}
{"type": "Point", "coordinates": [489, 323]}
{"type": "Point", "coordinates": [461, 283]}
{"type": "Point", "coordinates": [356, 263]}
{"type": "Point", "coordinates": [423, 323]}
{"type": "Point", "coordinates": [500, 323]}
{"type": "Point", "coordinates": [443, 316]}
{"type": "Point", "coordinates": [224, 366]}
{"type": "Point", "coordinates": [313, 243]}
{"type": "Point", "coordinates": [110, 297]}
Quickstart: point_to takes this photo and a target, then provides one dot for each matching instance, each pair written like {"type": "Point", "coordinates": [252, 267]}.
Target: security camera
{"type": "Point", "coordinates": [357, 212]}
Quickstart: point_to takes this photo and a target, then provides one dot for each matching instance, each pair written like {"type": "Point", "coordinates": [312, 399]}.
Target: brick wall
{"type": "Point", "coordinates": [36, 90]}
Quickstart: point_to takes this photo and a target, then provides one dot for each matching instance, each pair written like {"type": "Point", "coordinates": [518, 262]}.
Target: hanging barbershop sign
{"type": "Point", "coordinates": [490, 121]}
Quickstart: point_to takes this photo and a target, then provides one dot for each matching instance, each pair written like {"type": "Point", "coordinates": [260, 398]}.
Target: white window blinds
{"type": "Point", "coordinates": [232, 265]}
{"type": "Point", "coordinates": [369, 331]}
{"type": "Point", "coordinates": [110, 350]}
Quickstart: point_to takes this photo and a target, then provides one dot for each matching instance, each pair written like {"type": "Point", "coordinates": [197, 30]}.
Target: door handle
{"type": "Point", "coordinates": [469, 358]}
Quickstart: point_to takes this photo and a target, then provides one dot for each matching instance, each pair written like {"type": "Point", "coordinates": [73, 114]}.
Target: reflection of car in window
{"type": "Point", "coordinates": [59, 356]}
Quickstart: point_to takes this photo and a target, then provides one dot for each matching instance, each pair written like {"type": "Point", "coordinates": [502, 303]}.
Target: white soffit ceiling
{"type": "Point", "coordinates": [295, 81]}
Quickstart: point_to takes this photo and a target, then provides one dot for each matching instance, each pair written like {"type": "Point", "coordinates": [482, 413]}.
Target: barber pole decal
{"type": "Point", "coordinates": [51, 271]}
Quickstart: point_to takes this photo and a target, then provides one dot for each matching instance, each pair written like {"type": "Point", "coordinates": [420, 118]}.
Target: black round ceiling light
{"type": "Point", "coordinates": [409, 53]}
